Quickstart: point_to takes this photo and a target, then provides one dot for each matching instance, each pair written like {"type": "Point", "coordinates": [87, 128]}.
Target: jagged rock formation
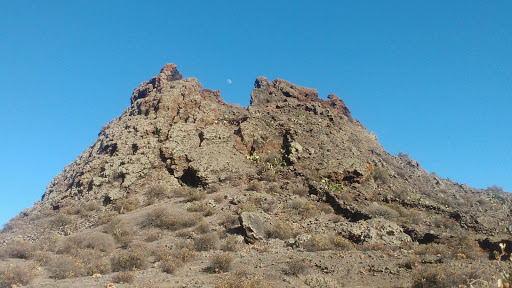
{"type": "Point", "coordinates": [177, 134]}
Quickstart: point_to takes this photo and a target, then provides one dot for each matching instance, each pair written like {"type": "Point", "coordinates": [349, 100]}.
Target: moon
{"type": "Point", "coordinates": [229, 81]}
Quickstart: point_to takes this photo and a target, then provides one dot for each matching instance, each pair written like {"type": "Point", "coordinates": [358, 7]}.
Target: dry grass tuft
{"type": "Point", "coordinates": [220, 263]}
{"type": "Point", "coordinates": [205, 242]}
{"type": "Point", "coordinates": [241, 279]}
{"type": "Point", "coordinates": [123, 277]}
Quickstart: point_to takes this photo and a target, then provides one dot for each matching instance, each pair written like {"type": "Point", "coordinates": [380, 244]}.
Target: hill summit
{"type": "Point", "coordinates": [292, 190]}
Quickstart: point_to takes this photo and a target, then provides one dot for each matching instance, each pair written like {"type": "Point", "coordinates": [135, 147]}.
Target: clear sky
{"type": "Point", "coordinates": [429, 78]}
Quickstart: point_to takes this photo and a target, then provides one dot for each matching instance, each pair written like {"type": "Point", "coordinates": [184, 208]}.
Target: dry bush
{"type": "Point", "coordinates": [246, 207]}
{"type": "Point", "coordinates": [21, 249]}
{"type": "Point", "coordinates": [14, 276]}
{"type": "Point", "coordinates": [303, 207]}
{"type": "Point", "coordinates": [62, 267]}
{"type": "Point", "coordinates": [230, 220]}
{"type": "Point", "coordinates": [282, 230]}
{"type": "Point", "coordinates": [233, 243]}
{"type": "Point", "coordinates": [170, 264]}
{"type": "Point", "coordinates": [324, 207]}
{"type": "Point", "coordinates": [202, 207]}
{"type": "Point", "coordinates": [241, 279]}
{"type": "Point", "coordinates": [122, 233]}
{"type": "Point", "coordinates": [192, 194]}
{"type": "Point", "coordinates": [185, 254]}
{"type": "Point", "coordinates": [205, 242]}
{"type": "Point", "coordinates": [443, 275]}
{"type": "Point", "coordinates": [94, 262]}
{"type": "Point", "coordinates": [296, 267]}
{"type": "Point", "coordinates": [202, 227]}
{"type": "Point", "coordinates": [255, 186]}
{"type": "Point", "coordinates": [320, 281]}
{"type": "Point", "coordinates": [220, 263]}
{"type": "Point", "coordinates": [337, 218]}
{"type": "Point", "coordinates": [298, 189]}
{"type": "Point", "coordinates": [380, 175]}
{"type": "Point", "coordinates": [152, 236]}
{"type": "Point", "coordinates": [85, 209]}
{"type": "Point", "coordinates": [319, 242]}
{"type": "Point", "coordinates": [213, 188]}
{"type": "Point", "coordinates": [164, 219]}
{"type": "Point", "coordinates": [123, 277]}
{"type": "Point", "coordinates": [105, 217]}
{"type": "Point", "coordinates": [48, 242]}
{"type": "Point", "coordinates": [342, 243]}
{"type": "Point", "coordinates": [156, 192]}
{"type": "Point", "coordinates": [377, 210]}
{"type": "Point", "coordinates": [96, 241]}
{"type": "Point", "coordinates": [263, 201]}
{"type": "Point", "coordinates": [127, 260]}
{"type": "Point", "coordinates": [125, 205]}
{"type": "Point", "coordinates": [274, 188]}
{"type": "Point", "coordinates": [463, 247]}
{"type": "Point", "coordinates": [61, 220]}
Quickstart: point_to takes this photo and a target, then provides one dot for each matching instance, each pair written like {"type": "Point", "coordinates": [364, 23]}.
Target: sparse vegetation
{"type": "Point", "coordinates": [282, 230]}
{"type": "Point", "coordinates": [383, 211]}
{"type": "Point", "coordinates": [164, 219]}
{"type": "Point", "coordinates": [127, 260]}
{"type": "Point", "coordinates": [206, 242]}
{"type": "Point", "coordinates": [21, 249]}
{"type": "Point", "coordinates": [127, 204]}
{"type": "Point", "coordinates": [241, 279]}
{"type": "Point", "coordinates": [320, 281]}
{"type": "Point", "coordinates": [296, 267]}
{"type": "Point", "coordinates": [220, 263]}
{"type": "Point", "coordinates": [63, 266]}
{"type": "Point", "coordinates": [14, 276]}
{"type": "Point", "coordinates": [123, 277]}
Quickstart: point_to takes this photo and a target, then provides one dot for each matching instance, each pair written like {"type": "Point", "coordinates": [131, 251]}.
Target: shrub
{"type": "Point", "coordinates": [98, 241]}
{"type": "Point", "coordinates": [255, 186]}
{"type": "Point", "coordinates": [202, 207]}
{"type": "Point", "coordinates": [342, 243]}
{"type": "Point", "coordinates": [122, 233]}
{"type": "Point", "coordinates": [152, 236]}
{"type": "Point", "coordinates": [320, 242]}
{"type": "Point", "coordinates": [48, 242]}
{"type": "Point", "coordinates": [123, 277]}
{"type": "Point", "coordinates": [129, 260]}
{"type": "Point", "coordinates": [21, 249]}
{"type": "Point", "coordinates": [378, 210]}
{"type": "Point", "coordinates": [282, 230]}
{"type": "Point", "coordinates": [202, 227]}
{"type": "Point", "coordinates": [14, 276]}
{"type": "Point", "coordinates": [320, 281]}
{"type": "Point", "coordinates": [442, 275]}
{"type": "Point", "coordinates": [230, 221]}
{"type": "Point", "coordinates": [61, 220]}
{"type": "Point", "coordinates": [213, 188]}
{"type": "Point", "coordinates": [296, 267]}
{"type": "Point", "coordinates": [194, 194]}
{"type": "Point", "coordinates": [125, 205]}
{"type": "Point", "coordinates": [220, 263]}
{"type": "Point", "coordinates": [303, 207]}
{"type": "Point", "coordinates": [62, 267]}
{"type": "Point", "coordinates": [94, 262]}
{"type": "Point", "coordinates": [105, 217]}
{"type": "Point", "coordinates": [240, 279]}
{"type": "Point", "coordinates": [233, 243]}
{"type": "Point", "coordinates": [170, 264]}
{"type": "Point", "coordinates": [206, 242]}
{"type": "Point", "coordinates": [157, 192]}
{"type": "Point", "coordinates": [380, 175]}
{"type": "Point", "coordinates": [164, 219]}
{"type": "Point", "coordinates": [185, 255]}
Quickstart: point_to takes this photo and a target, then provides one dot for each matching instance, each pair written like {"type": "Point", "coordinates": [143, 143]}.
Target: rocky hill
{"type": "Point", "coordinates": [185, 190]}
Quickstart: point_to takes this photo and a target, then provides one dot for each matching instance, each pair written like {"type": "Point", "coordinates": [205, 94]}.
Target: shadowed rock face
{"type": "Point", "coordinates": [177, 134]}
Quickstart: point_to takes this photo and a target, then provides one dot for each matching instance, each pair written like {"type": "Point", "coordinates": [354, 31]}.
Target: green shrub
{"type": "Point", "coordinates": [220, 263]}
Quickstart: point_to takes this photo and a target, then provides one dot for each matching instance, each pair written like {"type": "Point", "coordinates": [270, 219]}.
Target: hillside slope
{"type": "Point", "coordinates": [288, 192]}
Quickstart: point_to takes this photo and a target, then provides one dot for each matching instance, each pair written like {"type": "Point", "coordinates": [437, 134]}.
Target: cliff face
{"type": "Point", "coordinates": [308, 156]}
{"type": "Point", "coordinates": [177, 133]}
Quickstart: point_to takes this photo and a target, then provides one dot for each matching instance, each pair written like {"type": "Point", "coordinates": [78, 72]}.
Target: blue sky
{"type": "Point", "coordinates": [429, 78]}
